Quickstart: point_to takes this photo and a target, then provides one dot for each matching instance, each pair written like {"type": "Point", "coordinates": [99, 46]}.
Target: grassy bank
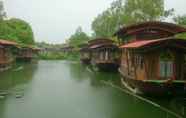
{"type": "Point", "coordinates": [59, 56]}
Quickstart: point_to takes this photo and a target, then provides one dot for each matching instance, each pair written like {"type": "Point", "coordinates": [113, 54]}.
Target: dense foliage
{"type": "Point", "coordinates": [16, 30]}
{"type": "Point", "coordinates": [2, 12]}
{"type": "Point", "coordinates": [59, 56]}
{"type": "Point", "coordinates": [124, 12]}
{"type": "Point", "coordinates": [51, 56]}
{"type": "Point", "coordinates": [181, 20]}
{"type": "Point", "coordinates": [78, 38]}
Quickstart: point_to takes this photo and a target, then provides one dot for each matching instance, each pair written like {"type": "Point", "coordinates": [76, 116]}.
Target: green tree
{"type": "Point", "coordinates": [78, 37]}
{"type": "Point", "coordinates": [2, 12]}
{"type": "Point", "coordinates": [105, 24]}
{"type": "Point", "coordinates": [16, 30]}
{"type": "Point", "coordinates": [125, 12]}
{"type": "Point", "coordinates": [145, 10]}
{"type": "Point", "coordinates": [181, 20]}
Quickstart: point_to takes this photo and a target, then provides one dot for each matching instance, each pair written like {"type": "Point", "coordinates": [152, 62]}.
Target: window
{"type": "Point", "coordinates": [106, 55]}
{"type": "Point", "coordinates": [139, 61]}
{"type": "Point", "coordinates": [166, 69]}
{"type": "Point", "coordinates": [101, 55]}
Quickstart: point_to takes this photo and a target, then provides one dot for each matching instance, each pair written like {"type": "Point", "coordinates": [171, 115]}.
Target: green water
{"type": "Point", "coordinates": [62, 89]}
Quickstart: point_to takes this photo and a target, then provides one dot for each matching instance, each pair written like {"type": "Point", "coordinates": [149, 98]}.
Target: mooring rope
{"type": "Point", "coordinates": [143, 99]}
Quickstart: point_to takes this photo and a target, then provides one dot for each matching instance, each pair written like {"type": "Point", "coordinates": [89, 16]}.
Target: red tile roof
{"type": "Point", "coordinates": [6, 42]}
{"type": "Point", "coordinates": [140, 43]}
{"type": "Point", "coordinates": [102, 45]}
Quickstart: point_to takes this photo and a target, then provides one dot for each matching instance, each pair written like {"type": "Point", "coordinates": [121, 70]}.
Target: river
{"type": "Point", "coordinates": [64, 89]}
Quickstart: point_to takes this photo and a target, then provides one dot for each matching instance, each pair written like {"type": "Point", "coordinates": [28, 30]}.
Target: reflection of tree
{"type": "Point", "coordinates": [20, 75]}
{"type": "Point", "coordinates": [81, 72]}
{"type": "Point", "coordinates": [2, 109]}
{"type": "Point", "coordinates": [97, 78]}
{"type": "Point", "coordinates": [14, 82]}
{"type": "Point", "coordinates": [78, 71]}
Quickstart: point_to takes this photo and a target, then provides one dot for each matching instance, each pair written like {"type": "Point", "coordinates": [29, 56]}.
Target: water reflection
{"type": "Point", "coordinates": [122, 104]}
{"type": "Point", "coordinates": [14, 81]}
{"type": "Point", "coordinates": [78, 71]}
{"type": "Point", "coordinates": [81, 72]}
{"type": "Point", "coordinates": [179, 105]}
{"type": "Point", "coordinates": [174, 104]}
{"type": "Point", "coordinates": [63, 89]}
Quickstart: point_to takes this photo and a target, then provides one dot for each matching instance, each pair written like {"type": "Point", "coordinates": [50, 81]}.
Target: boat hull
{"type": "Point", "coordinates": [107, 66]}
{"type": "Point", "coordinates": [155, 88]}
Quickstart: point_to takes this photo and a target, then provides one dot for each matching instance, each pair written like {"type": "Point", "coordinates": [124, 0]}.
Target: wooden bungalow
{"type": "Point", "coordinates": [148, 31]}
{"type": "Point", "coordinates": [105, 54]}
{"type": "Point", "coordinates": [6, 55]}
{"type": "Point", "coordinates": [153, 60]}
{"type": "Point", "coordinates": [26, 53]}
{"type": "Point", "coordinates": [85, 54]}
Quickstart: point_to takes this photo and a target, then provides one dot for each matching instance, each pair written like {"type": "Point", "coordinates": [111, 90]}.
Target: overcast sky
{"type": "Point", "coordinates": [53, 21]}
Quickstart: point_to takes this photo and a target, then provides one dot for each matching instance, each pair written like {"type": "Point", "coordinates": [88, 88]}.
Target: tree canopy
{"type": "Point", "coordinates": [181, 20]}
{"type": "Point", "coordinates": [78, 37]}
{"type": "Point", "coordinates": [2, 12]}
{"type": "Point", "coordinates": [16, 30]}
{"type": "Point", "coordinates": [125, 12]}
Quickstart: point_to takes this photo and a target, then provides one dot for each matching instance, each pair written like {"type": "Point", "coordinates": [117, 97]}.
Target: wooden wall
{"type": "Point", "coordinates": [140, 66]}
{"type": "Point", "coordinates": [5, 56]}
{"type": "Point", "coordinates": [147, 66]}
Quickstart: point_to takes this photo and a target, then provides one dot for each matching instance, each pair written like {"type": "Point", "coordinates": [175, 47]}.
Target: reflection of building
{"type": "Point", "coordinates": [104, 54]}
{"type": "Point", "coordinates": [152, 60]}
{"type": "Point", "coordinates": [15, 80]}
{"type": "Point", "coordinates": [6, 56]}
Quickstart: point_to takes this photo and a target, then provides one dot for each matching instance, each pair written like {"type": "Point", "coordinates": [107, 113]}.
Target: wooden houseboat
{"type": "Point", "coordinates": [105, 54]}
{"type": "Point", "coordinates": [85, 54]}
{"type": "Point", "coordinates": [153, 60]}
{"type": "Point", "coordinates": [26, 53]}
{"type": "Point", "coordinates": [6, 55]}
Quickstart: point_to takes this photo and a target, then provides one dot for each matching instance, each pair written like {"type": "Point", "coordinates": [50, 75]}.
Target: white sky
{"type": "Point", "coordinates": [53, 21]}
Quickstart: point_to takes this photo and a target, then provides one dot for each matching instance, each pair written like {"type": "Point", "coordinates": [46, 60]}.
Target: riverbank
{"type": "Point", "coordinates": [73, 56]}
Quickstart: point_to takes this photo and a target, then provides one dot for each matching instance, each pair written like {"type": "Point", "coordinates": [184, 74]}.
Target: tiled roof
{"type": "Point", "coordinates": [6, 42]}
{"type": "Point", "coordinates": [141, 43]}
{"type": "Point", "coordinates": [168, 27]}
